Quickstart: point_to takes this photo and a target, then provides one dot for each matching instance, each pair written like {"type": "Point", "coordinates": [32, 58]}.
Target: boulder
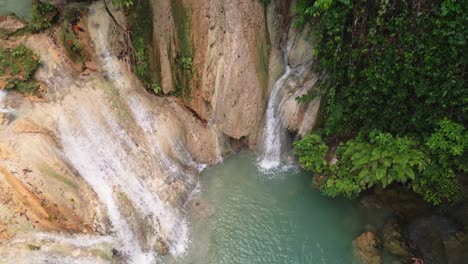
{"type": "Point", "coordinates": [11, 24]}
{"type": "Point", "coordinates": [394, 240]}
{"type": "Point", "coordinates": [428, 233]}
{"type": "Point", "coordinates": [367, 248]}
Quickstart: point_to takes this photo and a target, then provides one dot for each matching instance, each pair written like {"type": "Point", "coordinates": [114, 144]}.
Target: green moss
{"type": "Point", "coordinates": [43, 14]}
{"type": "Point", "coordinates": [105, 255]}
{"type": "Point", "coordinates": [17, 66]}
{"type": "Point", "coordinates": [263, 61]}
{"type": "Point", "coordinates": [146, 65]}
{"type": "Point", "coordinates": [182, 24]}
{"type": "Point", "coordinates": [70, 39]}
{"type": "Point", "coordinates": [33, 247]}
{"type": "Point", "coordinates": [49, 171]}
{"type": "Point", "coordinates": [182, 66]}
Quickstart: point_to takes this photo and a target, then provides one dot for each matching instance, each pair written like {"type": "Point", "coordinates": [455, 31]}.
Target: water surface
{"type": "Point", "coordinates": [21, 8]}
{"type": "Point", "coordinates": [244, 216]}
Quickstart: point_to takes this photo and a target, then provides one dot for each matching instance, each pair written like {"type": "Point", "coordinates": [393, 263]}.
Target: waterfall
{"type": "Point", "coordinates": [98, 153]}
{"type": "Point", "coordinates": [270, 159]}
{"type": "Point", "coordinates": [275, 147]}
{"type": "Point", "coordinates": [131, 170]}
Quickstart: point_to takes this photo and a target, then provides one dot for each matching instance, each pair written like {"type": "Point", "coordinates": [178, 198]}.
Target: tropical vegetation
{"type": "Point", "coordinates": [394, 93]}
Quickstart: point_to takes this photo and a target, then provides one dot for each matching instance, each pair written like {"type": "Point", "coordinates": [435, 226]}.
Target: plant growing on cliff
{"type": "Point", "coordinates": [17, 66]}
{"type": "Point", "coordinates": [122, 3]}
{"type": "Point", "coordinates": [42, 15]}
{"type": "Point", "coordinates": [140, 21]}
{"type": "Point", "coordinates": [156, 88]}
{"type": "Point", "coordinates": [140, 67]}
{"type": "Point", "coordinates": [387, 62]}
{"type": "Point", "coordinates": [187, 63]}
{"type": "Point", "coordinates": [396, 67]}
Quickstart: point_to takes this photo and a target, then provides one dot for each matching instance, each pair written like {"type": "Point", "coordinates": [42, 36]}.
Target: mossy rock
{"type": "Point", "coordinates": [43, 15]}
{"type": "Point", "coordinates": [394, 240]}
{"type": "Point", "coordinates": [17, 66]}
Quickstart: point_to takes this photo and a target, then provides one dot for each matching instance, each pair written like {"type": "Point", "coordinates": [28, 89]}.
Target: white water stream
{"type": "Point", "coordinates": [127, 173]}
{"type": "Point", "coordinates": [274, 156]}
{"type": "Point", "coordinates": [270, 159]}
{"type": "Point", "coordinates": [99, 155]}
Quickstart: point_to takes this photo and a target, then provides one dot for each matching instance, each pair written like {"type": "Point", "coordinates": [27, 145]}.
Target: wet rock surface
{"type": "Point", "coordinates": [394, 240]}
{"type": "Point", "coordinates": [367, 248]}
{"type": "Point", "coordinates": [417, 230]}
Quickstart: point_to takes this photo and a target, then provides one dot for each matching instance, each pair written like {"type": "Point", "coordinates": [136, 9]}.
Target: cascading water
{"type": "Point", "coordinates": [128, 172]}
{"type": "Point", "coordinates": [275, 145]}
{"type": "Point", "coordinates": [98, 154]}
{"type": "Point", "coordinates": [274, 132]}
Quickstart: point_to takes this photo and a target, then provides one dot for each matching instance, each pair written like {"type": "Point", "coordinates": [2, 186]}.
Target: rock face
{"type": "Point", "coordinates": [429, 234]}
{"type": "Point", "coordinates": [228, 42]}
{"type": "Point", "coordinates": [238, 53]}
{"type": "Point", "coordinates": [366, 248]}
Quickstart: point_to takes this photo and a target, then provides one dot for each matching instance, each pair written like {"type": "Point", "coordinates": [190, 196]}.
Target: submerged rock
{"type": "Point", "coordinates": [394, 240]}
{"type": "Point", "coordinates": [367, 248]}
{"type": "Point", "coordinates": [428, 235]}
{"type": "Point", "coordinates": [456, 248]}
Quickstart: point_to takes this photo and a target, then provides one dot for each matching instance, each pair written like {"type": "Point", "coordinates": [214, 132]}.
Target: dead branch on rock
{"type": "Point", "coordinates": [126, 33]}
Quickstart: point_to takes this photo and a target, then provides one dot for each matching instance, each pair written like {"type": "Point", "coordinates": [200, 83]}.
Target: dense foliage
{"type": "Point", "coordinates": [141, 25]}
{"type": "Point", "coordinates": [429, 167]}
{"type": "Point", "coordinates": [395, 76]}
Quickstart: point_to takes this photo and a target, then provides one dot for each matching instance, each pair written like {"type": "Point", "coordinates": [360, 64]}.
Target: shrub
{"type": "Point", "coordinates": [42, 15]}
{"type": "Point", "coordinates": [17, 66]}
{"type": "Point", "coordinates": [382, 159]}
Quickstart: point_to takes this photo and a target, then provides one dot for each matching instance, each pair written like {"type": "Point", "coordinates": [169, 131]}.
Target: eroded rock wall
{"type": "Point", "coordinates": [230, 50]}
{"type": "Point", "coordinates": [237, 51]}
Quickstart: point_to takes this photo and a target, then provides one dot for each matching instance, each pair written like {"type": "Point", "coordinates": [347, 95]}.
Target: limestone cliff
{"type": "Point", "coordinates": [236, 49]}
